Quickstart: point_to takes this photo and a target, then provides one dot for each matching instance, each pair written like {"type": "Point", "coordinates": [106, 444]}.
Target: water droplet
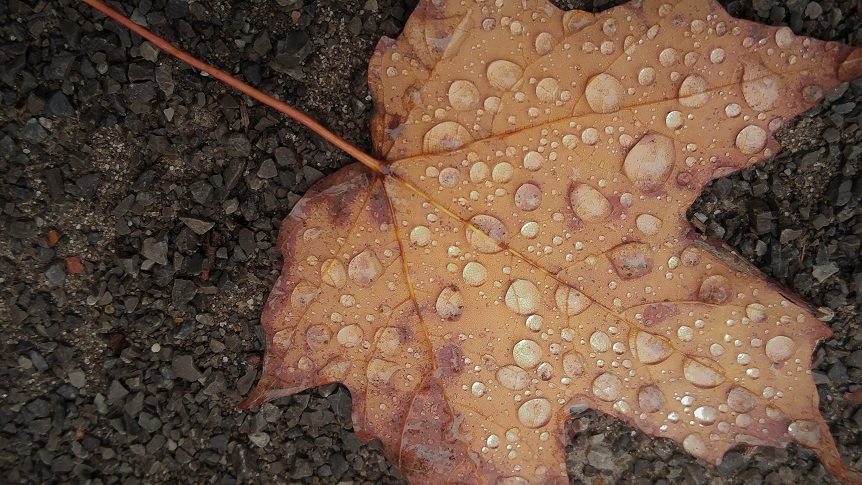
{"type": "Point", "coordinates": [631, 260]}
{"type": "Point", "coordinates": [463, 95]}
{"type": "Point", "coordinates": [761, 88]}
{"type": "Point", "coordinates": [513, 377]}
{"type": "Point", "coordinates": [527, 354]}
{"type": "Point", "coordinates": [807, 433]}
{"type": "Point", "coordinates": [547, 90]}
{"type": "Point", "coordinates": [570, 301]}
{"type": "Point", "coordinates": [780, 348]}
{"type": "Point", "coordinates": [812, 93]}
{"type": "Point", "coordinates": [530, 229]}
{"type": "Point", "coordinates": [475, 274]}
{"type": "Point", "coordinates": [364, 268]}
{"type": "Point", "coordinates": [701, 375]}
{"type": "Point", "coordinates": [674, 120]}
{"type": "Point", "coordinates": [502, 172]}
{"type": "Point", "coordinates": [420, 236]}
{"type": "Point", "coordinates": [477, 389]}
{"type": "Point", "coordinates": [607, 387]}
{"type": "Point", "coordinates": [535, 413]}
{"type": "Point", "coordinates": [534, 322]}
{"type": "Point", "coordinates": [588, 203]}
{"type": "Point", "coordinates": [302, 294]}
{"type": "Point", "coordinates": [646, 76]}
{"type": "Point", "coordinates": [332, 273]}
{"type": "Point", "coordinates": [751, 140]}
{"type": "Point", "coordinates": [686, 334]}
{"type": "Point", "coordinates": [741, 400]}
{"type": "Point", "coordinates": [533, 161]}
{"type": "Point", "coordinates": [349, 336]}
{"type": "Point", "coordinates": [695, 445]}
{"type": "Point", "coordinates": [733, 110]}
{"type": "Point", "coordinates": [650, 399]}
{"type": "Point", "coordinates": [649, 163]}
{"type": "Point", "coordinates": [446, 136]}
{"type": "Point", "coordinates": [648, 224]}
{"type": "Point", "coordinates": [651, 349]}
{"type": "Point", "coordinates": [450, 303]}
{"type": "Point", "coordinates": [493, 441]}
{"type": "Point", "coordinates": [717, 55]}
{"type": "Point", "coordinates": [573, 365]}
{"type": "Point", "coordinates": [716, 350]}
{"type": "Point", "coordinates": [503, 74]}
{"type": "Point", "coordinates": [668, 57]}
{"type": "Point", "coordinates": [706, 415]}
{"type": "Point", "coordinates": [692, 92]}
{"type": "Point", "coordinates": [479, 172]}
{"type": "Point", "coordinates": [317, 336]}
{"type": "Point", "coordinates": [544, 43]}
{"type": "Point", "coordinates": [390, 340]}
{"type": "Point", "coordinates": [714, 290]}
{"type": "Point", "coordinates": [528, 197]}
{"type": "Point", "coordinates": [600, 341]}
{"type": "Point", "coordinates": [523, 297]}
{"type": "Point", "coordinates": [449, 177]}
{"type": "Point", "coordinates": [756, 312]}
{"type": "Point", "coordinates": [784, 37]}
{"type": "Point", "coordinates": [493, 232]}
{"type": "Point", "coordinates": [604, 93]}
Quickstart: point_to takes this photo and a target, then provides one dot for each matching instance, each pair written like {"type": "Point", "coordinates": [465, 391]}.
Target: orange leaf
{"type": "Point", "coordinates": [53, 237]}
{"type": "Point", "coordinates": [73, 265]}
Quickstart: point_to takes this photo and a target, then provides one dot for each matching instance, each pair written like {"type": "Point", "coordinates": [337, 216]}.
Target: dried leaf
{"type": "Point", "coordinates": [524, 248]}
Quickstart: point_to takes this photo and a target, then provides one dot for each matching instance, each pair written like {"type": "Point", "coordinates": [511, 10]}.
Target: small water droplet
{"type": "Point", "coordinates": [317, 336]}
{"type": "Point", "coordinates": [646, 76]}
{"type": "Point", "coordinates": [528, 197]}
{"type": "Point", "coordinates": [502, 172]}
{"type": "Point", "coordinates": [651, 349]}
{"type": "Point", "coordinates": [477, 389]}
{"type": "Point", "coordinates": [751, 139]}
{"type": "Point", "coordinates": [716, 350]}
{"type": "Point", "coordinates": [503, 74]}
{"type": "Point", "coordinates": [784, 37]}
{"type": "Point", "coordinates": [544, 43]}
{"type": "Point", "coordinates": [475, 274]}
{"type": "Point", "coordinates": [513, 377]}
{"type": "Point", "coordinates": [717, 55]}
{"type": "Point", "coordinates": [714, 290]}
{"type": "Point", "coordinates": [648, 224]}
{"type": "Point", "coordinates": [649, 163]}
{"type": "Point", "coordinates": [600, 341]}
{"type": "Point", "coordinates": [533, 161]}
{"type": "Point", "coordinates": [674, 120]}
{"type": "Point", "coordinates": [686, 334]}
{"type": "Point", "coordinates": [349, 336]}
{"type": "Point", "coordinates": [479, 172]}
{"type": "Point", "coordinates": [547, 90]}
{"type": "Point", "coordinates": [449, 177]}
{"type": "Point", "coordinates": [530, 229]}
{"type": "Point", "coordinates": [695, 445]}
{"type": "Point", "coordinates": [493, 232]}
{"type": "Point", "coordinates": [604, 93]}
{"type": "Point", "coordinates": [780, 348]}
{"type": "Point", "coordinates": [761, 88]}
{"type": "Point", "coordinates": [607, 387]}
{"type": "Point", "coordinates": [420, 236]}
{"type": "Point", "coordinates": [523, 297]}
{"type": "Point", "coordinates": [302, 294]}
{"type": "Point", "coordinates": [756, 312]}
{"type": "Point", "coordinates": [534, 322]}
{"type": "Point", "coordinates": [535, 413]}
{"type": "Point", "coordinates": [706, 415]}
{"type": "Point", "coordinates": [668, 57]}
{"type": "Point", "coordinates": [450, 303]}
{"type": "Point", "coordinates": [545, 371]}
{"type": "Point", "coordinates": [807, 433]}
{"type": "Point", "coordinates": [463, 95]}
{"type": "Point", "coordinates": [444, 137]}
{"type": "Point", "coordinates": [332, 273]}
{"type": "Point", "coordinates": [588, 203]}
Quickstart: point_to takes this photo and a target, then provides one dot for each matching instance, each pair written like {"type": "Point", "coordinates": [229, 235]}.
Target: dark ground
{"type": "Point", "coordinates": [126, 368]}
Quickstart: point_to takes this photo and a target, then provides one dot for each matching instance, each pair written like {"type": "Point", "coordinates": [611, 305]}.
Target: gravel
{"type": "Point", "coordinates": [129, 339]}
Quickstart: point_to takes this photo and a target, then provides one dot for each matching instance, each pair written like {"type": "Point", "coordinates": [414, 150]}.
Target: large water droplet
{"type": "Point", "coordinates": [631, 260]}
{"type": "Point", "coordinates": [493, 441]}
{"type": "Point", "coordinates": [533, 161]}
{"type": "Point", "coordinates": [588, 203]}
{"type": "Point", "coordinates": [784, 37]}
{"type": "Point", "coordinates": [513, 377]}
{"type": "Point", "coordinates": [674, 120]}
{"type": "Point", "coordinates": [570, 301]}
{"type": "Point", "coordinates": [528, 197]}
{"type": "Point", "coordinates": [706, 415]}
{"type": "Point", "coordinates": [463, 95]}
{"type": "Point", "coordinates": [364, 268]}
{"type": "Point", "coordinates": [444, 137]}
{"type": "Point", "coordinates": [646, 76]}
{"type": "Point", "coordinates": [651, 349]}
{"type": "Point", "coordinates": [649, 163]}
{"type": "Point", "coordinates": [807, 433]}
{"type": "Point", "coordinates": [648, 224]}
{"type": "Point", "coordinates": [714, 290]}
{"type": "Point", "coordinates": [503, 74]}
{"type": "Point", "coordinates": [741, 400]}
{"type": "Point", "coordinates": [420, 236]}
{"type": "Point", "coordinates": [701, 375]}
{"type": "Point", "coordinates": [390, 340]}
{"type": "Point", "coordinates": [695, 445]}
{"type": "Point", "coordinates": [493, 232]}
{"type": "Point", "coordinates": [449, 177]}
{"type": "Point", "coordinates": [502, 172]}
{"type": "Point", "coordinates": [650, 399]}
{"type": "Point", "coordinates": [604, 93]}
{"type": "Point", "coordinates": [761, 88]}
{"type": "Point", "coordinates": [607, 387]}
{"type": "Point", "coordinates": [450, 303]}
{"type": "Point", "coordinates": [527, 354]}
{"type": "Point", "coordinates": [349, 336]}
{"type": "Point", "coordinates": [317, 336]}
{"type": "Point", "coordinates": [600, 341]}
{"type": "Point", "coordinates": [477, 389]}
{"type": "Point", "coordinates": [780, 348]}
{"type": "Point", "coordinates": [751, 139]}
{"type": "Point", "coordinates": [523, 297]}
{"type": "Point", "coordinates": [756, 312]}
{"type": "Point", "coordinates": [535, 413]}
{"type": "Point", "coordinates": [475, 274]}
{"type": "Point", "coordinates": [544, 43]}
{"type": "Point", "coordinates": [692, 92]}
{"type": "Point", "coordinates": [479, 172]}
{"type": "Point", "coordinates": [332, 273]}
{"type": "Point", "coordinates": [547, 90]}
{"type": "Point", "coordinates": [573, 364]}
{"type": "Point", "coordinates": [668, 57]}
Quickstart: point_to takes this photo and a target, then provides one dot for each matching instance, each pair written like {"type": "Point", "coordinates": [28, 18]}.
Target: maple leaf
{"type": "Point", "coordinates": [524, 246]}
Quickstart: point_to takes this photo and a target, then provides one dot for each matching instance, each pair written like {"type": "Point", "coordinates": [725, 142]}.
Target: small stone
{"type": "Point", "coordinates": [259, 439]}
{"type": "Point", "coordinates": [155, 250]}
{"type": "Point", "coordinates": [77, 378]}
{"type": "Point", "coordinates": [267, 169]}
{"type": "Point", "coordinates": [58, 106]}
{"type": "Point", "coordinates": [201, 191]}
{"type": "Point", "coordinates": [199, 226]}
{"type": "Point", "coordinates": [32, 132]}
{"type": "Point", "coordinates": [311, 174]}
{"type": "Point", "coordinates": [183, 292]}
{"type": "Point", "coordinates": [183, 367]}
{"type": "Point", "coordinates": [56, 274]}
{"type": "Point", "coordinates": [823, 271]}
{"type": "Point", "coordinates": [813, 10]}
{"type": "Point", "coordinates": [601, 458]}
{"type": "Point", "coordinates": [117, 392]}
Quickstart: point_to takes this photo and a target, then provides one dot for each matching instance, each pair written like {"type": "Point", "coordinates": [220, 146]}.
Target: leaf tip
{"type": "Point", "coordinates": [851, 68]}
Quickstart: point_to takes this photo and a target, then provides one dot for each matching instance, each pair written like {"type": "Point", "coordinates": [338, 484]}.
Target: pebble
{"type": "Point", "coordinates": [183, 366]}
{"type": "Point", "coordinates": [156, 250]}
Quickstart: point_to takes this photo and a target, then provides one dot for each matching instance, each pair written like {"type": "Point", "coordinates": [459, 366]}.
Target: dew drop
{"type": "Point", "coordinates": [364, 268]}
{"type": "Point", "coordinates": [631, 260]}
{"type": "Point", "coordinates": [706, 415]}
{"type": "Point", "coordinates": [479, 172]}
{"type": "Point", "coordinates": [444, 137]}
{"type": "Point", "coordinates": [695, 445]}
{"type": "Point", "coordinates": [503, 74]}
{"type": "Point", "coordinates": [420, 236]}
{"type": "Point", "coordinates": [588, 203]}
{"type": "Point", "coordinates": [493, 232]}
{"type": "Point", "coordinates": [302, 294]}
{"type": "Point", "coordinates": [600, 341]}
{"type": "Point", "coordinates": [573, 365]}
{"type": "Point", "coordinates": [701, 375]}
{"type": "Point", "coordinates": [502, 172]}
{"type": "Point", "coordinates": [717, 55]}
{"type": "Point", "coordinates": [463, 95]}
{"type": "Point", "coordinates": [317, 336]}
{"type": "Point", "coordinates": [547, 90]}
{"type": "Point", "coordinates": [674, 120]}
{"type": "Point", "coordinates": [668, 57]}
{"type": "Point", "coordinates": [530, 229]}
{"type": "Point", "coordinates": [651, 349]}
{"type": "Point", "coordinates": [534, 322]}
{"type": "Point", "coordinates": [784, 37]}
{"type": "Point", "coordinates": [477, 389]}
{"type": "Point", "coordinates": [807, 433]}
{"type": "Point", "coordinates": [692, 92]}
{"type": "Point", "coordinates": [761, 88]}
{"type": "Point", "coordinates": [741, 400]}
{"type": "Point", "coordinates": [527, 354]}
{"type": "Point", "coordinates": [686, 334]}
{"type": "Point", "coordinates": [650, 399]}
{"type": "Point", "coordinates": [570, 301]}
{"type": "Point", "coordinates": [733, 110]}
{"type": "Point", "coordinates": [523, 297]}
{"type": "Point", "coordinates": [349, 336]}
{"type": "Point", "coordinates": [450, 303]}
{"type": "Point", "coordinates": [649, 163]}
{"type": "Point", "coordinates": [528, 197]}
{"type": "Point", "coordinates": [714, 290]}
{"type": "Point", "coordinates": [780, 348]}
{"type": "Point", "coordinates": [648, 224]}
{"type": "Point", "coordinates": [535, 413]}
{"type": "Point", "coordinates": [449, 177]}
{"type": "Point", "coordinates": [493, 441]}
{"type": "Point", "coordinates": [332, 273]}
{"type": "Point", "coordinates": [513, 377]}
{"type": "Point", "coordinates": [590, 136]}
{"type": "Point", "coordinates": [751, 140]}
{"type": "Point", "coordinates": [544, 43]}
{"type": "Point", "coordinates": [607, 387]}
{"type": "Point", "coordinates": [646, 76]}
{"type": "Point", "coordinates": [717, 350]}
{"type": "Point", "coordinates": [604, 93]}
{"type": "Point", "coordinates": [475, 274]}
{"type": "Point", "coordinates": [756, 312]}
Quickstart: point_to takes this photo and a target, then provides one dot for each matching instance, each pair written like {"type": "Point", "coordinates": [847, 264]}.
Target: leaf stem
{"type": "Point", "coordinates": [367, 160]}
